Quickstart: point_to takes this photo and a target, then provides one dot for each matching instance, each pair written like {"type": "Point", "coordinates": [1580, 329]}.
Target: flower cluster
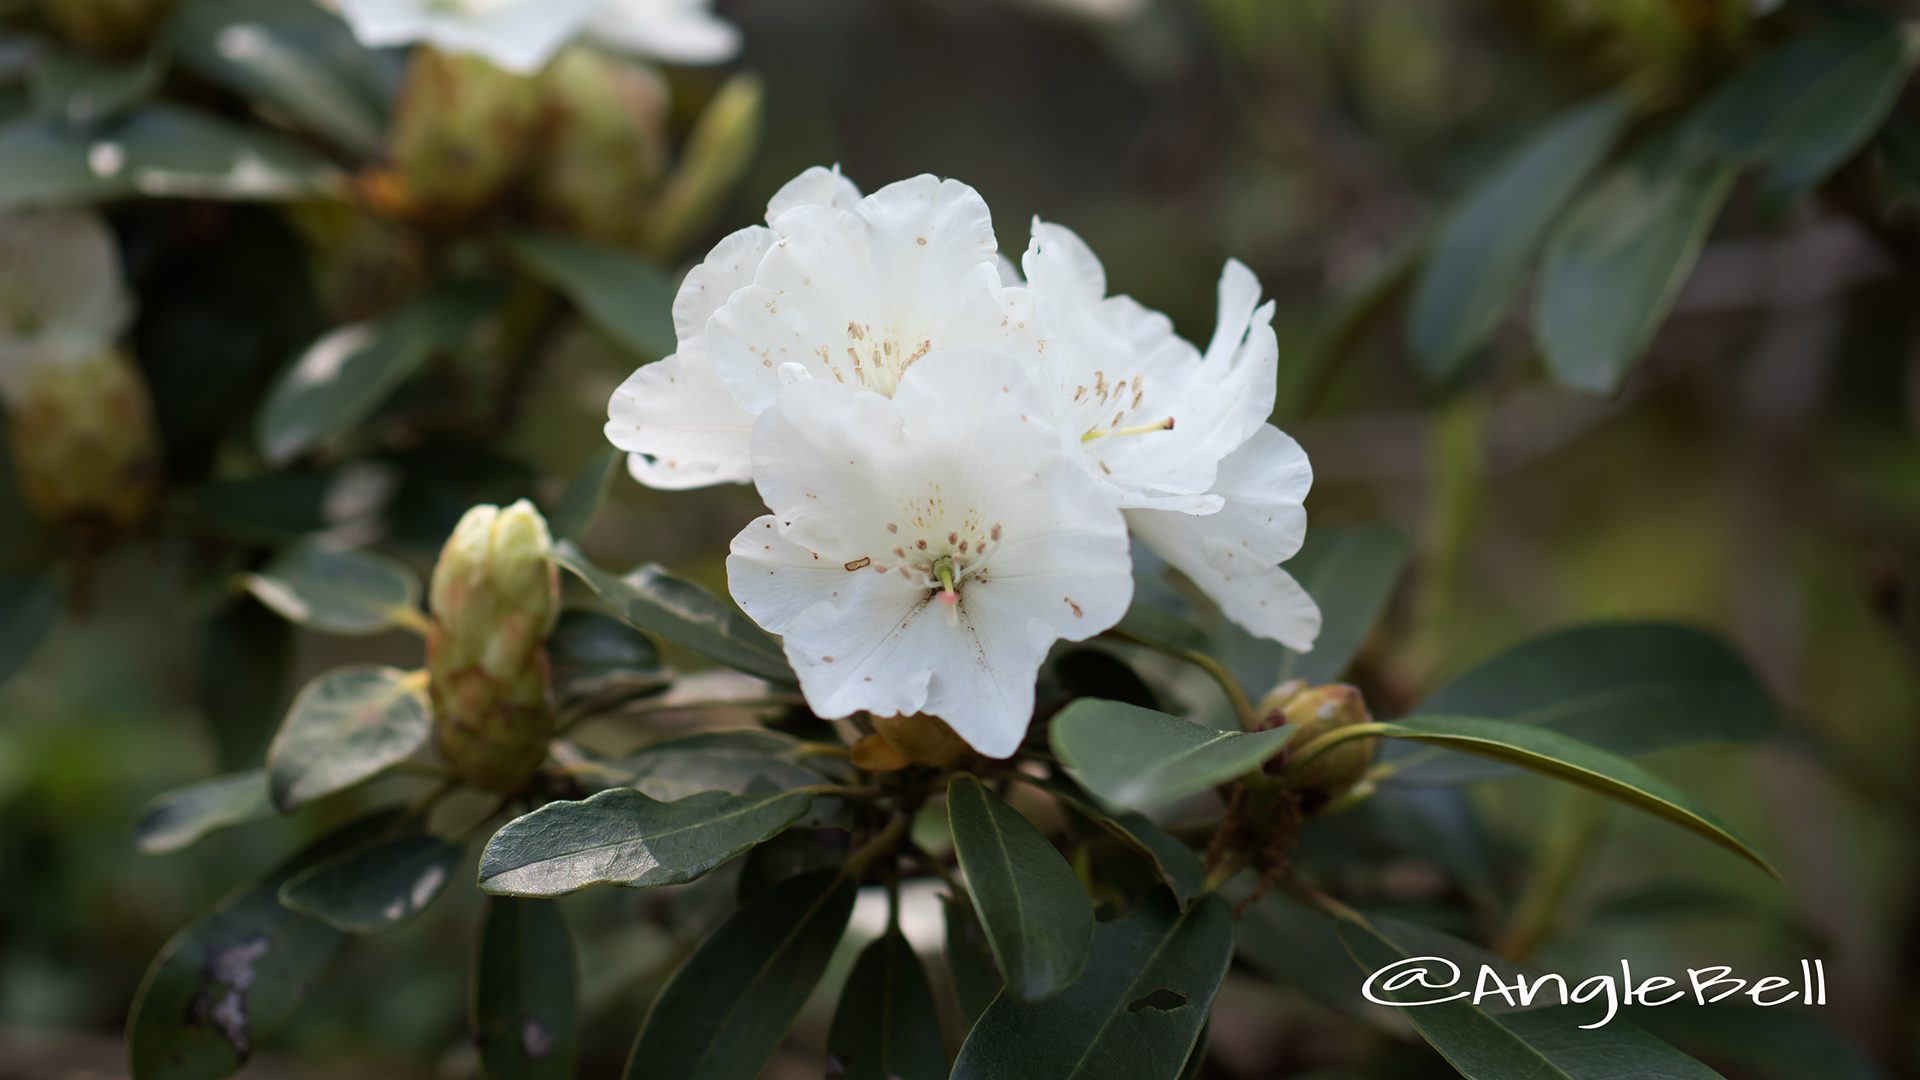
{"type": "Point", "coordinates": [522, 35]}
{"type": "Point", "coordinates": [954, 457]}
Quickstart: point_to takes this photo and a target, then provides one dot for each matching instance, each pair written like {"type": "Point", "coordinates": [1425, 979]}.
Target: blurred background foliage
{"type": "Point", "coordinates": [1753, 469]}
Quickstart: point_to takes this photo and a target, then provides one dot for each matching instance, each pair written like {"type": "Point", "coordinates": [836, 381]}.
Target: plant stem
{"type": "Point", "coordinates": [1242, 705]}
{"type": "Point", "coordinates": [881, 843]}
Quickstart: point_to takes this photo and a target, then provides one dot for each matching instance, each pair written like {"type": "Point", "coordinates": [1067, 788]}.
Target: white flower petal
{"type": "Point", "coordinates": [859, 296]}
{"type": "Point", "coordinates": [873, 499]}
{"type": "Point", "coordinates": [678, 31]}
{"type": "Point", "coordinates": [516, 35]}
{"type": "Point", "coordinates": [1233, 555]}
{"type": "Point", "coordinates": [818, 186]}
{"type": "Point", "coordinates": [1244, 355]}
{"type": "Point", "coordinates": [62, 298]}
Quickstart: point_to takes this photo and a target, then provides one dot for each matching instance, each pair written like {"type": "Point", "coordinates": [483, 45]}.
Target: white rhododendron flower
{"type": "Point", "coordinates": [62, 299]}
{"type": "Point", "coordinates": [522, 35]}
{"type": "Point", "coordinates": [923, 553]}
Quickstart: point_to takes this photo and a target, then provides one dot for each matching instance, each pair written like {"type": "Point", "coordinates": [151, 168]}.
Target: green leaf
{"type": "Point", "coordinates": [1350, 570]}
{"type": "Point", "coordinates": [976, 981]}
{"type": "Point", "coordinates": [288, 58]}
{"type": "Point", "coordinates": [347, 726]}
{"type": "Point", "coordinates": [525, 991]}
{"type": "Point", "coordinates": [230, 979]}
{"type": "Point", "coordinates": [886, 1027]}
{"type": "Point", "coordinates": [1175, 863]}
{"type": "Point", "coordinates": [1483, 251]}
{"type": "Point", "coordinates": [1806, 107]}
{"type": "Point", "coordinates": [1538, 1044]}
{"type": "Point", "coordinates": [593, 652]}
{"type": "Point", "coordinates": [29, 606]}
{"type": "Point", "coordinates": [624, 295]}
{"type": "Point", "coordinates": [377, 888]}
{"type": "Point", "coordinates": [160, 150]}
{"type": "Point", "coordinates": [1776, 1043]}
{"type": "Point", "coordinates": [343, 377]}
{"type": "Point", "coordinates": [1138, 759]}
{"type": "Point", "coordinates": [723, 1013]}
{"type": "Point", "coordinates": [1297, 946]}
{"type": "Point", "coordinates": [1037, 915]}
{"type": "Point", "coordinates": [1632, 688]}
{"type": "Point", "coordinates": [743, 762]}
{"type": "Point", "coordinates": [80, 91]}
{"type": "Point", "coordinates": [246, 665]}
{"type": "Point", "coordinates": [622, 837]}
{"type": "Point", "coordinates": [1553, 754]}
{"type": "Point", "coordinates": [178, 818]}
{"type": "Point", "coordinates": [337, 592]}
{"type": "Point", "coordinates": [1135, 1014]}
{"type": "Point", "coordinates": [584, 495]}
{"type": "Point", "coordinates": [684, 614]}
{"type": "Point", "coordinates": [1618, 259]}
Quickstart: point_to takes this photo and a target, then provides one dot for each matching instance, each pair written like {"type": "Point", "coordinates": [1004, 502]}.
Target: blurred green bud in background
{"type": "Point", "coordinates": [606, 144]}
{"type": "Point", "coordinates": [83, 443]}
{"type": "Point", "coordinates": [460, 139]}
{"type": "Point", "coordinates": [107, 26]}
{"type": "Point", "coordinates": [716, 153]}
{"type": "Point", "coordinates": [494, 598]}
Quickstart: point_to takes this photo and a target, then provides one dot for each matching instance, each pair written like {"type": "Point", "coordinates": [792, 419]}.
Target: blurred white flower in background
{"type": "Point", "coordinates": [522, 35]}
{"type": "Point", "coordinates": [62, 297]}
{"type": "Point", "coordinates": [925, 552]}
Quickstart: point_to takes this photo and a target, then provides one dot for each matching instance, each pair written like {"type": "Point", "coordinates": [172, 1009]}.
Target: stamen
{"type": "Point", "coordinates": [1137, 429]}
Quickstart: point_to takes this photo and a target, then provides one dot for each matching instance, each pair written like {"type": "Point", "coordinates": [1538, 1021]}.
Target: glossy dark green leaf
{"type": "Point", "coordinates": [622, 837]}
{"type": "Point", "coordinates": [1135, 1014]}
{"type": "Point", "coordinates": [742, 762]}
{"type": "Point", "coordinates": [525, 990]}
{"type": "Point", "coordinates": [377, 888]}
{"type": "Point", "coordinates": [231, 978]}
{"type": "Point", "coordinates": [246, 678]}
{"type": "Point", "coordinates": [1298, 946]}
{"type": "Point", "coordinates": [337, 592]}
{"type": "Point", "coordinates": [79, 91]}
{"type": "Point", "coordinates": [160, 150]}
{"type": "Point", "coordinates": [724, 1012]}
{"type": "Point", "coordinates": [1350, 570]}
{"type": "Point", "coordinates": [594, 652]}
{"type": "Point", "coordinates": [1550, 753]}
{"type": "Point", "coordinates": [1632, 688]}
{"type": "Point", "coordinates": [1782, 1043]}
{"type": "Point", "coordinates": [886, 1027]}
{"type": "Point", "coordinates": [1483, 252]}
{"type": "Point", "coordinates": [625, 295]}
{"type": "Point", "coordinates": [970, 966]}
{"type": "Point", "coordinates": [1806, 107]}
{"type": "Point", "coordinates": [347, 726]}
{"type": "Point", "coordinates": [1138, 759]}
{"type": "Point", "coordinates": [581, 501]}
{"type": "Point", "coordinates": [1037, 914]}
{"type": "Point", "coordinates": [178, 818]}
{"type": "Point", "coordinates": [1176, 863]}
{"type": "Point", "coordinates": [683, 614]}
{"type": "Point", "coordinates": [288, 58]}
{"type": "Point", "coordinates": [1617, 260]}
{"type": "Point", "coordinates": [1539, 1044]}
{"type": "Point", "coordinates": [29, 606]}
{"type": "Point", "coordinates": [343, 377]}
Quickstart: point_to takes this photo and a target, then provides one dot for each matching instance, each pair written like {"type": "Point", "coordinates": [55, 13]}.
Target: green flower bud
{"type": "Point", "coordinates": [606, 144]}
{"type": "Point", "coordinates": [494, 598]}
{"type": "Point", "coordinates": [106, 26]}
{"type": "Point", "coordinates": [1318, 711]}
{"type": "Point", "coordinates": [85, 453]}
{"type": "Point", "coordinates": [716, 153]}
{"type": "Point", "coordinates": [460, 139]}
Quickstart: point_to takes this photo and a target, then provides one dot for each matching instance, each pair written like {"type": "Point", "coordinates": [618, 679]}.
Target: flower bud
{"type": "Point", "coordinates": [605, 145]}
{"type": "Point", "coordinates": [81, 435]}
{"type": "Point", "coordinates": [1318, 711]}
{"type": "Point", "coordinates": [494, 598]}
{"type": "Point", "coordinates": [106, 26]}
{"type": "Point", "coordinates": [715, 155]}
{"type": "Point", "coordinates": [923, 739]}
{"type": "Point", "coordinates": [460, 139]}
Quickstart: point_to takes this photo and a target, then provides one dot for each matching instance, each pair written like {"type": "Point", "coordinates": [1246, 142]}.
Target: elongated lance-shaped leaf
{"type": "Point", "coordinates": [29, 606]}
{"type": "Point", "coordinates": [626, 296]}
{"type": "Point", "coordinates": [525, 991]}
{"type": "Point", "coordinates": [347, 726]}
{"type": "Point", "coordinates": [970, 966]}
{"type": "Point", "coordinates": [1134, 1014]}
{"type": "Point", "coordinates": [230, 979]}
{"type": "Point", "coordinates": [175, 819]}
{"type": "Point", "coordinates": [376, 888]}
{"type": "Point", "coordinates": [1553, 754]}
{"type": "Point", "coordinates": [684, 614]}
{"type": "Point", "coordinates": [1484, 250]}
{"type": "Point", "coordinates": [1037, 914]}
{"type": "Point", "coordinates": [585, 493]}
{"type": "Point", "coordinates": [622, 837]}
{"type": "Point", "coordinates": [337, 592]}
{"type": "Point", "coordinates": [723, 1013]}
{"type": "Point", "coordinates": [1175, 863]}
{"type": "Point", "coordinates": [1138, 758]}
{"type": "Point", "coordinates": [886, 1027]}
